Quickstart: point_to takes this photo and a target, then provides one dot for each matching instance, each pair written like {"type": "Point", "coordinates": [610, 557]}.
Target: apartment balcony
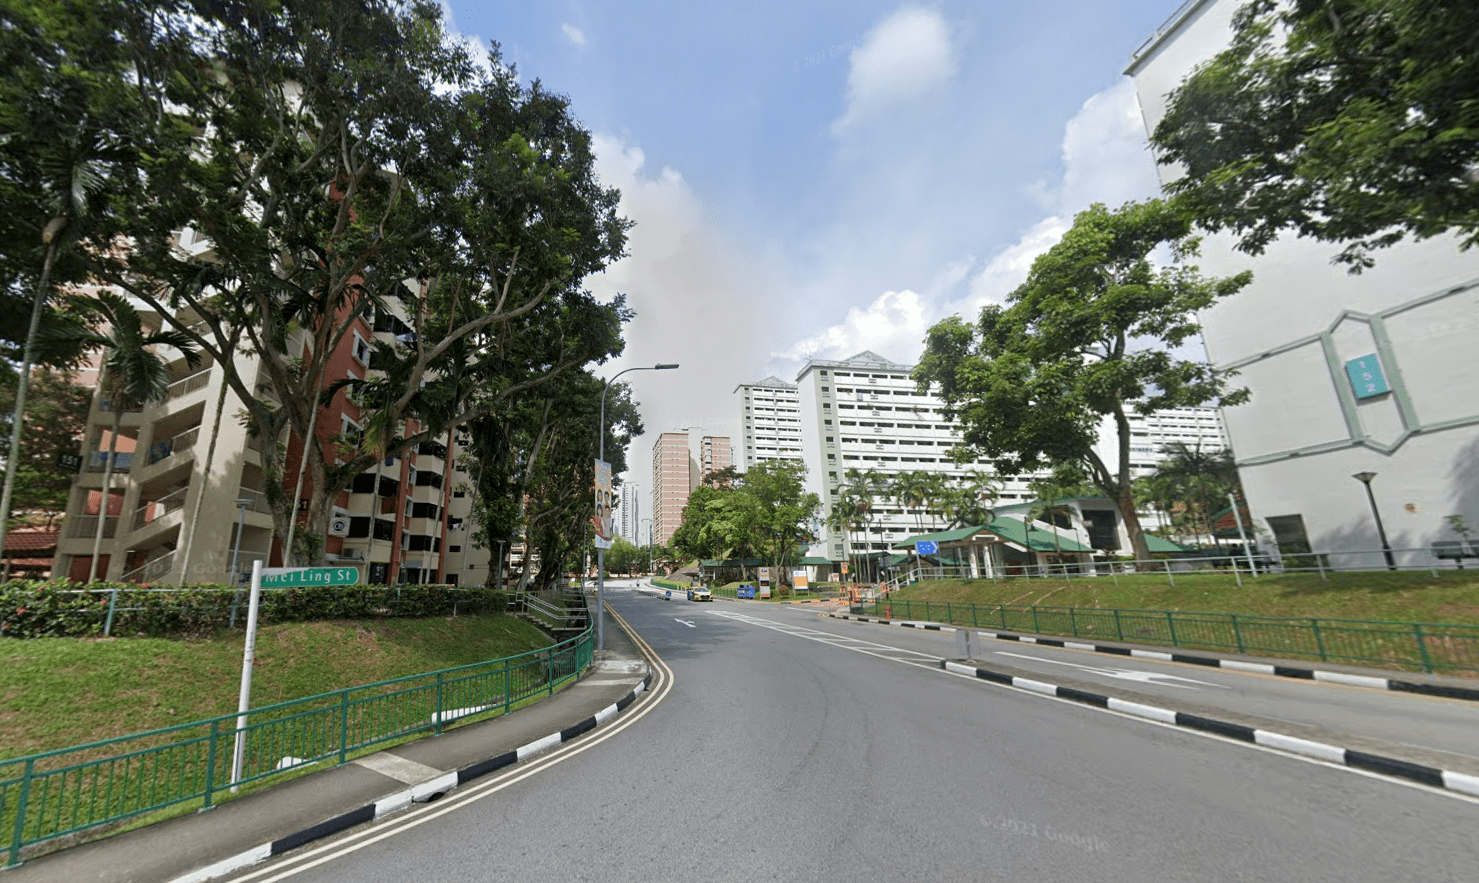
{"type": "Point", "coordinates": [152, 570]}
{"type": "Point", "coordinates": [187, 387]}
{"type": "Point", "coordinates": [85, 527]}
{"type": "Point", "coordinates": [155, 511]}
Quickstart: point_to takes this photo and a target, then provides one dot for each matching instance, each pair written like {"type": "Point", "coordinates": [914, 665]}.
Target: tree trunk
{"type": "Point", "coordinates": [23, 381]}
{"type": "Point", "coordinates": [116, 403]}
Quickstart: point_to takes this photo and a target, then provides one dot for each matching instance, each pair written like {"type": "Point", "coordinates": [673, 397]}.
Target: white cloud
{"type": "Point", "coordinates": [574, 34]}
{"type": "Point", "coordinates": [892, 326]}
{"type": "Point", "coordinates": [906, 56]}
{"type": "Point", "coordinates": [699, 299]}
{"type": "Point", "coordinates": [1105, 159]}
{"type": "Point", "coordinates": [1105, 155]}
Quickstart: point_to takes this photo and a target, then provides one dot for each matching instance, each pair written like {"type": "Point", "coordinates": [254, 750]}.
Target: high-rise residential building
{"type": "Point", "coordinates": [715, 455]}
{"type": "Point", "coordinates": [1352, 378]}
{"type": "Point", "coordinates": [628, 513]}
{"type": "Point", "coordinates": [405, 520]}
{"type": "Point", "coordinates": [866, 413]}
{"type": "Point", "coordinates": [770, 421]}
{"type": "Point", "coordinates": [1153, 436]}
{"type": "Point", "coordinates": [674, 475]}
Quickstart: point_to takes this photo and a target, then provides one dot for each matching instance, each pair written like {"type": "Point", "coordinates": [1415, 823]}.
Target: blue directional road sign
{"type": "Point", "coordinates": [926, 547]}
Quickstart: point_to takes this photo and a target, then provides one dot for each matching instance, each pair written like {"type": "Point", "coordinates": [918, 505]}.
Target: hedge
{"type": "Point", "coordinates": [59, 609]}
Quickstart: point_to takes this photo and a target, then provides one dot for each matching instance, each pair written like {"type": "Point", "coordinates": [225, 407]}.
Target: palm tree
{"type": "Point", "coordinates": [975, 493]}
{"type": "Point", "coordinates": [1199, 477]}
{"type": "Point", "coordinates": [133, 374]}
{"type": "Point", "coordinates": [74, 177]}
{"type": "Point", "coordinates": [910, 490]}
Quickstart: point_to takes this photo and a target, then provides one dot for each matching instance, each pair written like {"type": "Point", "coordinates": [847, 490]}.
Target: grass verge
{"type": "Point", "coordinates": [59, 692]}
{"type": "Point", "coordinates": [1453, 597]}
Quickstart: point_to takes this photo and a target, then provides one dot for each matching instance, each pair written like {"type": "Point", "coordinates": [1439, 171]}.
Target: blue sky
{"type": "Point", "coordinates": [820, 178]}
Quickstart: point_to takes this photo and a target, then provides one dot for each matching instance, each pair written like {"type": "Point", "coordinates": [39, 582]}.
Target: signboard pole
{"type": "Point", "coordinates": [244, 699]}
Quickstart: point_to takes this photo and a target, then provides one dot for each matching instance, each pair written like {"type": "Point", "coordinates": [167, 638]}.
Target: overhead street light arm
{"type": "Point", "coordinates": [601, 455]}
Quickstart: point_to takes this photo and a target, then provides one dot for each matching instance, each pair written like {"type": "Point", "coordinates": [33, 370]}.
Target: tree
{"type": "Point", "coordinates": [67, 157]}
{"type": "Point", "coordinates": [781, 511]}
{"type": "Point", "coordinates": [1340, 120]}
{"type": "Point", "coordinates": [344, 160]}
{"type": "Point", "coordinates": [1092, 332]}
{"type": "Point", "coordinates": [58, 411]}
{"type": "Point", "coordinates": [1196, 483]}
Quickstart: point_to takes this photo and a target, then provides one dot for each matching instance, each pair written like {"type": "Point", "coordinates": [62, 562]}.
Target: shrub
{"type": "Point", "coordinates": [59, 609]}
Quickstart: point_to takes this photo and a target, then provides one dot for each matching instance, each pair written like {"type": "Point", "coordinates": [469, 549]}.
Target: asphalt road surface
{"type": "Point", "coordinates": [770, 751]}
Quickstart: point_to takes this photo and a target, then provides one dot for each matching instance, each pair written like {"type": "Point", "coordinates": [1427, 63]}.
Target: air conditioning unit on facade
{"type": "Point", "coordinates": [339, 523]}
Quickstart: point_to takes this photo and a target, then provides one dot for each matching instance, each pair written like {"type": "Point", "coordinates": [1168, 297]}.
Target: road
{"type": "Point", "coordinates": [773, 750]}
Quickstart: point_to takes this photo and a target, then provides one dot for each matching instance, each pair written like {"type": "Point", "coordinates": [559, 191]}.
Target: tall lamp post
{"type": "Point", "coordinates": [649, 541]}
{"type": "Point", "coordinates": [600, 552]}
{"type": "Point", "coordinates": [1381, 532]}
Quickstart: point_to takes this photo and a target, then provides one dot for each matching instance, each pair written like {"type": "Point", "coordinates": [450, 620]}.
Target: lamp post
{"type": "Point", "coordinates": [649, 541]}
{"type": "Point", "coordinates": [600, 552]}
{"type": "Point", "coordinates": [1381, 532]}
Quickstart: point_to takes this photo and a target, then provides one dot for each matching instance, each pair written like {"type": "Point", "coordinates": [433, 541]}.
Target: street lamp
{"type": "Point", "coordinates": [600, 552]}
{"type": "Point", "coordinates": [649, 541]}
{"type": "Point", "coordinates": [1381, 532]}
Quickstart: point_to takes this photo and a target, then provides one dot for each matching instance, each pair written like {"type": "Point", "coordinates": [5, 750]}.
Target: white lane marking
{"type": "Point", "coordinates": [685, 622]}
{"type": "Point", "coordinates": [295, 864]}
{"type": "Point", "coordinates": [882, 651]}
{"type": "Point", "coordinates": [1124, 674]}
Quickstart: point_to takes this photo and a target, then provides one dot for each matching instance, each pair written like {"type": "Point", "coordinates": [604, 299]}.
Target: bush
{"type": "Point", "coordinates": [59, 609]}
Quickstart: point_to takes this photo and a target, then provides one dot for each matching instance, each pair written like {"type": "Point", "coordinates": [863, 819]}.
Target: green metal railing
{"type": "Point", "coordinates": [71, 790]}
{"type": "Point", "coordinates": [1411, 646]}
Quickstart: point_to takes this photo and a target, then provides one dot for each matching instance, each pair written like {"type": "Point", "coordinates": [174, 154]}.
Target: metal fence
{"type": "Point", "coordinates": [74, 790]}
{"type": "Point", "coordinates": [1434, 559]}
{"type": "Point", "coordinates": [1412, 646]}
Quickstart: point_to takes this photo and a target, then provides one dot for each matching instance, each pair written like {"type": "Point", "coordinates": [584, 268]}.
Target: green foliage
{"type": "Point", "coordinates": [623, 557]}
{"type": "Point", "coordinates": [323, 154]}
{"type": "Point", "coordinates": [765, 513]}
{"type": "Point", "coordinates": [56, 411]}
{"type": "Point", "coordinates": [1091, 333]}
{"type": "Point", "coordinates": [57, 609]}
{"type": "Point", "coordinates": [1338, 119]}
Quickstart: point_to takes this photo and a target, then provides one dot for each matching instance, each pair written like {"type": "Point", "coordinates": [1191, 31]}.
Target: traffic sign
{"type": "Point", "coordinates": [285, 577]}
{"type": "Point", "coordinates": [926, 547]}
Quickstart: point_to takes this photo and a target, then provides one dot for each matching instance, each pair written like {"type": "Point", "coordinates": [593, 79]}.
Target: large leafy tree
{"type": "Point", "coordinates": [1092, 332]}
{"type": "Point", "coordinates": [1344, 120]}
{"type": "Point", "coordinates": [70, 141]}
{"type": "Point", "coordinates": [58, 418]}
{"type": "Point", "coordinates": [339, 160]}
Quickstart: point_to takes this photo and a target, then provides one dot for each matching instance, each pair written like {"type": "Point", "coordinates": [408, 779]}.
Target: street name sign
{"type": "Point", "coordinates": [286, 577]}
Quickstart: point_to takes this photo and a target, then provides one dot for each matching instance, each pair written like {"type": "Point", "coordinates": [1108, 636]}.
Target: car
{"type": "Point", "coordinates": [699, 593]}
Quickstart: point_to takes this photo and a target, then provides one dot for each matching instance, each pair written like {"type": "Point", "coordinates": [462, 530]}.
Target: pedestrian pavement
{"type": "Point", "coordinates": [255, 826]}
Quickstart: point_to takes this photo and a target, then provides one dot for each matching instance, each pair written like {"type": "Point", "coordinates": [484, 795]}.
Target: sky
{"type": "Point", "coordinates": [815, 178]}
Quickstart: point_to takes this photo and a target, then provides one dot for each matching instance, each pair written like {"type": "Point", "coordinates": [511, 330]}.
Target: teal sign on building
{"type": "Point", "coordinates": [1367, 378]}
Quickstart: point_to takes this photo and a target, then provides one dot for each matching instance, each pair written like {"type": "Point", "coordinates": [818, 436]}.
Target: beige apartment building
{"type": "Point", "coordinates": [405, 521]}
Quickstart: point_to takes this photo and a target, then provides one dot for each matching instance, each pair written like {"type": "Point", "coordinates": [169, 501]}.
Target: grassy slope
{"type": "Point", "coordinates": [58, 692]}
{"type": "Point", "coordinates": [1398, 597]}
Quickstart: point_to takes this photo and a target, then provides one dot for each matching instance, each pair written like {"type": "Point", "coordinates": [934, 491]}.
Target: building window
{"type": "Point", "coordinates": [361, 350]}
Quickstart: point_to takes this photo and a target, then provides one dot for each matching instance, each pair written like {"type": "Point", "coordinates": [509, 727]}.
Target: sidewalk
{"type": "Point", "coordinates": [240, 832]}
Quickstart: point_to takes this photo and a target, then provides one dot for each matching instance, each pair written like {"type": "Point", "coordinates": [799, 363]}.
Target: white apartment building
{"type": "Point", "coordinates": [1348, 375]}
{"type": "Point", "coordinates": [770, 421]}
{"type": "Point", "coordinates": [1151, 436]}
{"type": "Point", "coordinates": [865, 413]}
